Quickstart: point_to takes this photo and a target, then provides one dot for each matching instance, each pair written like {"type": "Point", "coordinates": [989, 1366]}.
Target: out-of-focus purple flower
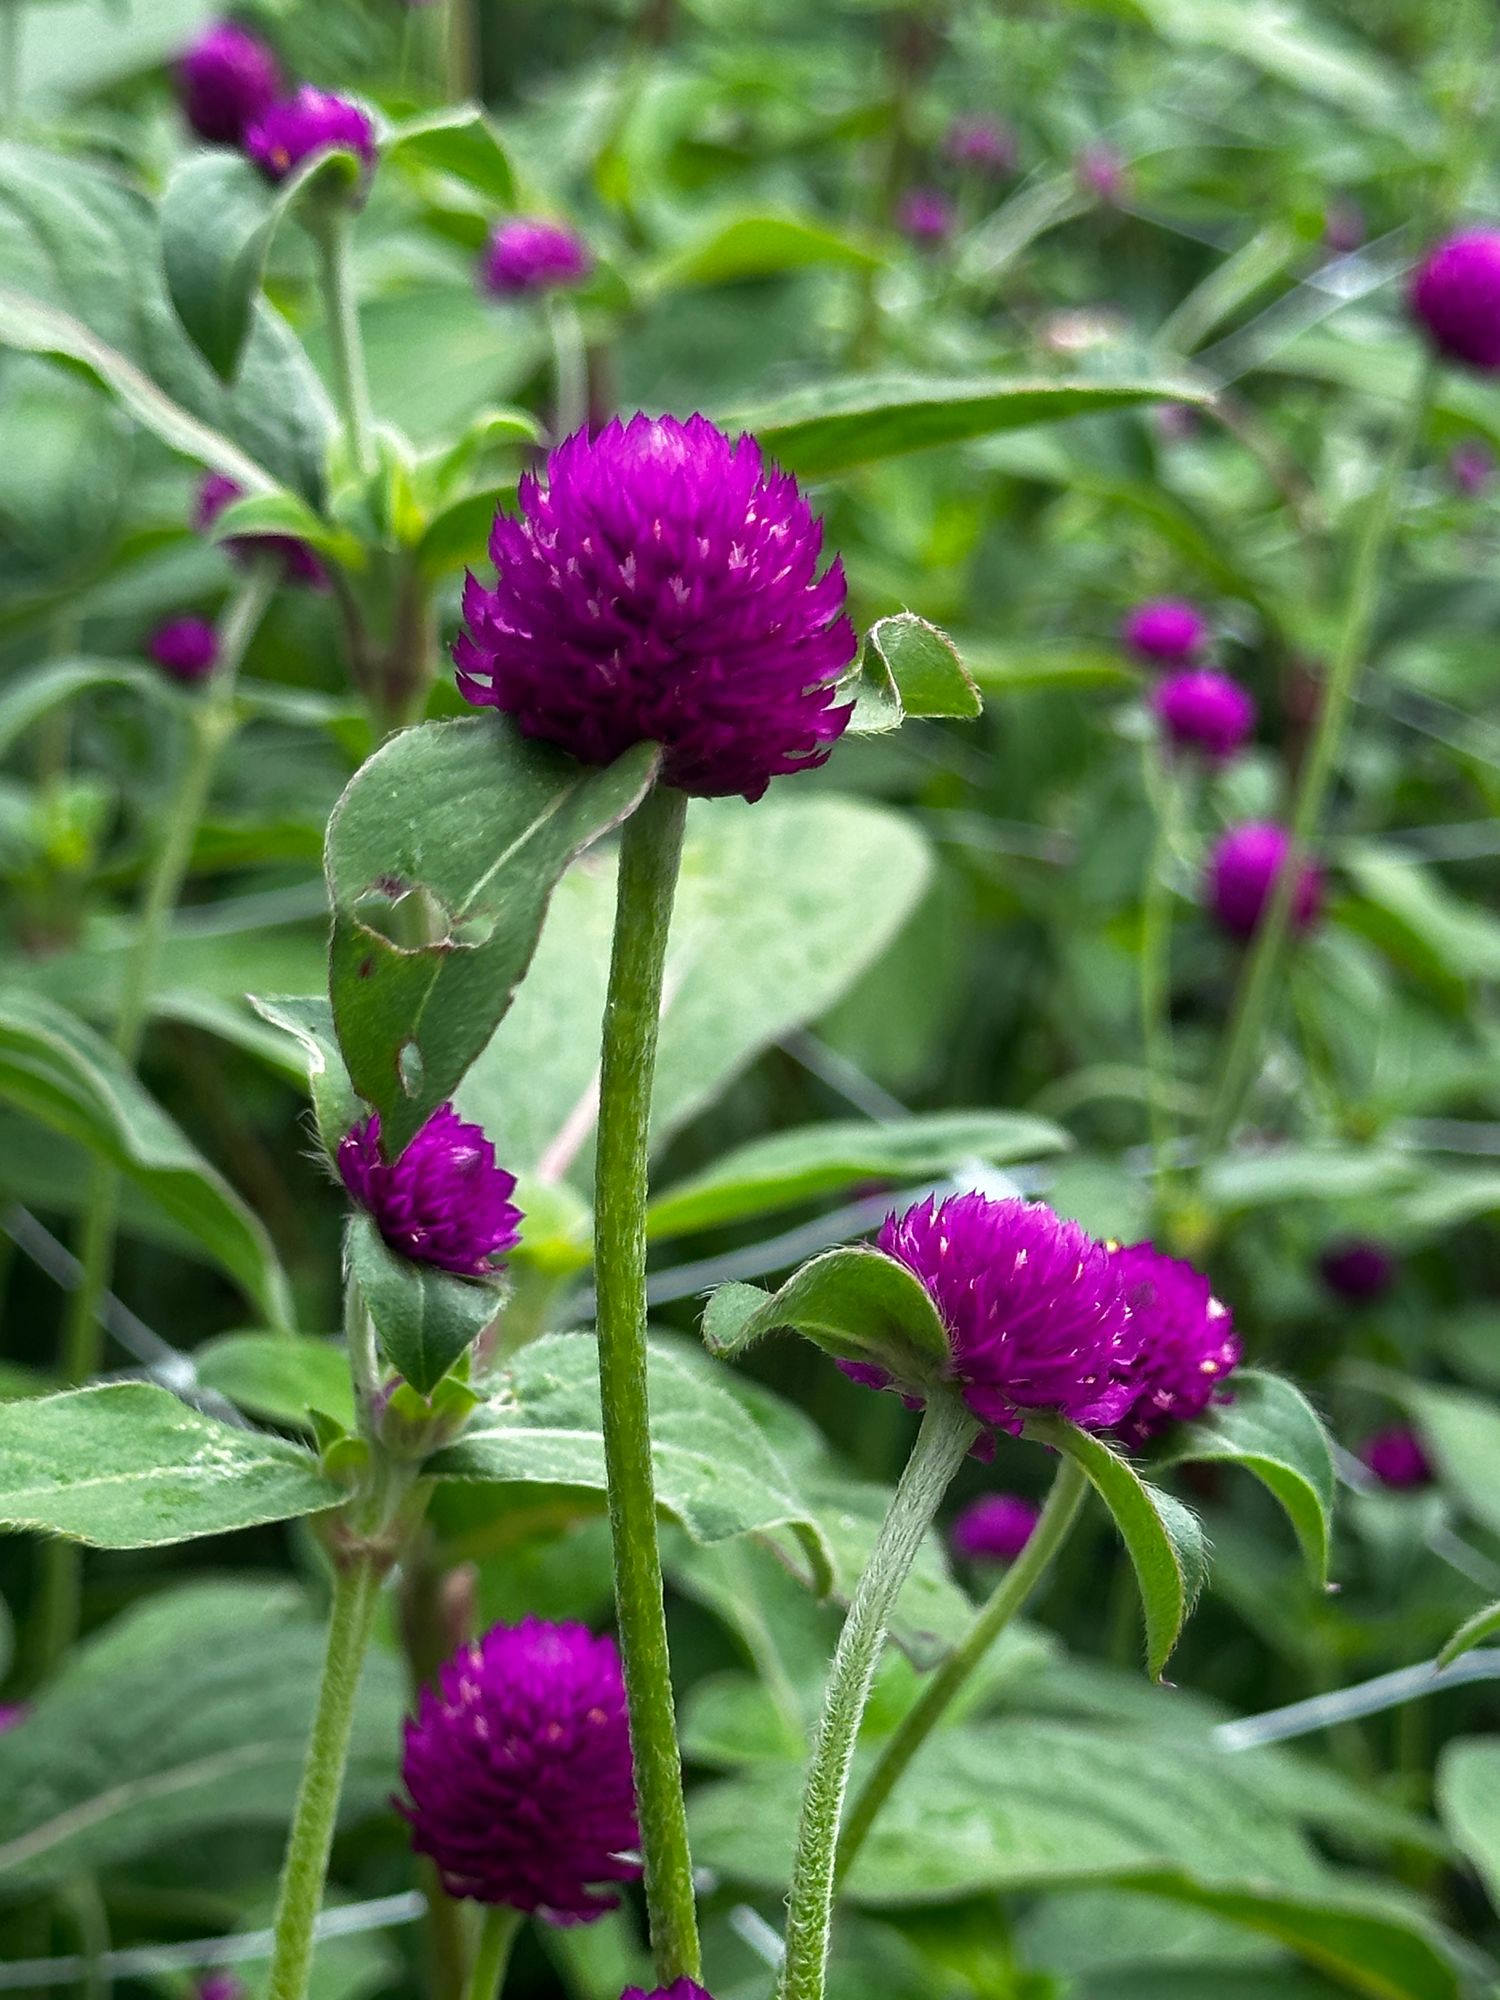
{"type": "Point", "coordinates": [226, 80]}
{"type": "Point", "coordinates": [663, 587]}
{"type": "Point", "coordinates": [309, 121]}
{"type": "Point", "coordinates": [1188, 1345]}
{"type": "Point", "coordinates": [518, 1769]}
{"type": "Point", "coordinates": [1203, 710]}
{"type": "Point", "coordinates": [187, 649]}
{"type": "Point", "coordinates": [1358, 1269]}
{"type": "Point", "coordinates": [1176, 422]}
{"type": "Point", "coordinates": [445, 1201]}
{"type": "Point", "coordinates": [1397, 1457]}
{"type": "Point", "coordinates": [994, 1528]}
{"type": "Point", "coordinates": [301, 563]}
{"type": "Point", "coordinates": [1100, 172]}
{"type": "Point", "coordinates": [983, 144]}
{"type": "Point", "coordinates": [528, 254]}
{"type": "Point", "coordinates": [680, 1989]}
{"type": "Point", "coordinates": [925, 216]}
{"type": "Point", "coordinates": [1471, 467]}
{"type": "Point", "coordinates": [1243, 870]}
{"type": "Point", "coordinates": [221, 1986]}
{"type": "Point", "coordinates": [1343, 226]}
{"type": "Point", "coordinates": [13, 1714]}
{"type": "Point", "coordinates": [1034, 1308]}
{"type": "Point", "coordinates": [1455, 295]}
{"type": "Point", "coordinates": [1165, 631]}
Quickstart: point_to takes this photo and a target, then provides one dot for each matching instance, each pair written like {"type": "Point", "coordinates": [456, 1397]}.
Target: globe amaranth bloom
{"type": "Point", "coordinates": [1188, 1345]}
{"type": "Point", "coordinates": [221, 1986]}
{"type": "Point", "coordinates": [444, 1202]}
{"type": "Point", "coordinates": [994, 1528]}
{"type": "Point", "coordinates": [1358, 1269]}
{"type": "Point", "coordinates": [12, 1715]}
{"type": "Point", "coordinates": [519, 1772]}
{"type": "Point", "coordinates": [925, 216]}
{"type": "Point", "coordinates": [308, 122]}
{"type": "Point", "coordinates": [186, 649]}
{"type": "Point", "coordinates": [1034, 1308]}
{"type": "Point", "coordinates": [1201, 709]}
{"type": "Point", "coordinates": [1165, 632]}
{"type": "Point", "coordinates": [1242, 873]}
{"type": "Point", "coordinates": [1397, 1458]}
{"type": "Point", "coordinates": [662, 587]}
{"type": "Point", "coordinates": [226, 80]}
{"type": "Point", "coordinates": [528, 254]}
{"type": "Point", "coordinates": [300, 563]}
{"type": "Point", "coordinates": [1455, 296]}
{"type": "Point", "coordinates": [680, 1989]}
{"type": "Point", "coordinates": [983, 144]}
{"type": "Point", "coordinates": [1100, 172]}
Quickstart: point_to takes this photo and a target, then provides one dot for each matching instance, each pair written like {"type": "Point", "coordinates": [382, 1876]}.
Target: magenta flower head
{"type": "Point", "coordinates": [221, 1986]}
{"type": "Point", "coordinates": [186, 649]}
{"type": "Point", "coordinates": [1471, 467]}
{"type": "Point", "coordinates": [226, 80]}
{"type": "Point", "coordinates": [1188, 1344]}
{"type": "Point", "coordinates": [1205, 711]}
{"type": "Point", "coordinates": [1100, 172]}
{"type": "Point", "coordinates": [518, 1768]}
{"type": "Point", "coordinates": [1243, 870]}
{"type": "Point", "coordinates": [925, 216]}
{"type": "Point", "coordinates": [444, 1202]}
{"type": "Point", "coordinates": [1034, 1308]}
{"type": "Point", "coordinates": [680, 1989]}
{"type": "Point", "coordinates": [1165, 632]}
{"type": "Point", "coordinates": [662, 587]}
{"type": "Point", "coordinates": [994, 1528]}
{"type": "Point", "coordinates": [12, 1715]}
{"type": "Point", "coordinates": [1358, 1269]}
{"type": "Point", "coordinates": [310, 121]}
{"type": "Point", "coordinates": [983, 144]}
{"type": "Point", "coordinates": [1397, 1458]}
{"type": "Point", "coordinates": [300, 563]}
{"type": "Point", "coordinates": [1455, 296]}
{"type": "Point", "coordinates": [527, 254]}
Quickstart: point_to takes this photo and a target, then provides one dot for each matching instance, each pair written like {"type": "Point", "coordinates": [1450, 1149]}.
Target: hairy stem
{"type": "Point", "coordinates": [351, 386]}
{"type": "Point", "coordinates": [496, 1939]}
{"type": "Point", "coordinates": [570, 368]}
{"type": "Point", "coordinates": [1165, 787]}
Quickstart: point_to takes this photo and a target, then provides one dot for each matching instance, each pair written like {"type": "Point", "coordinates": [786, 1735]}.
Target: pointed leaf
{"type": "Point", "coordinates": [1468, 1797]}
{"type": "Point", "coordinates": [31, 696]}
{"type": "Point", "coordinates": [459, 141]}
{"type": "Point", "coordinates": [924, 667]}
{"type": "Point", "coordinates": [425, 1317]}
{"type": "Point", "coordinates": [1484, 1624]}
{"type": "Point", "coordinates": [857, 1304]}
{"type": "Point", "coordinates": [279, 1376]}
{"type": "Point", "coordinates": [309, 1020]}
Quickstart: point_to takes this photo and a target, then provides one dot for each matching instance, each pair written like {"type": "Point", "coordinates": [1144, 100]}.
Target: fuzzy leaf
{"type": "Point", "coordinates": [279, 1376]}
{"type": "Point", "coordinates": [1484, 1624]}
{"type": "Point", "coordinates": [425, 1317]}
{"type": "Point", "coordinates": [856, 1303]}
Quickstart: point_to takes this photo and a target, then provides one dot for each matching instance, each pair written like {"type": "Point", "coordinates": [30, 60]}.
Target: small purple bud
{"type": "Point", "coordinates": [1165, 632]}
{"type": "Point", "coordinates": [1471, 467]}
{"type": "Point", "coordinates": [1188, 1345]}
{"type": "Point", "coordinates": [994, 1528]}
{"type": "Point", "coordinates": [1176, 422]}
{"type": "Point", "coordinates": [1100, 172]}
{"type": "Point", "coordinates": [1343, 226]}
{"type": "Point", "coordinates": [984, 144]}
{"type": "Point", "coordinates": [13, 1714]}
{"type": "Point", "coordinates": [186, 649]}
{"type": "Point", "coordinates": [680, 1989]}
{"type": "Point", "coordinates": [310, 121]}
{"type": "Point", "coordinates": [925, 215]}
{"type": "Point", "coordinates": [1358, 1269]}
{"type": "Point", "coordinates": [1456, 297]}
{"type": "Point", "coordinates": [221, 1986]}
{"type": "Point", "coordinates": [1397, 1458]}
{"type": "Point", "coordinates": [1243, 870]}
{"type": "Point", "coordinates": [1203, 710]}
{"type": "Point", "coordinates": [300, 563]}
{"type": "Point", "coordinates": [226, 80]}
{"type": "Point", "coordinates": [527, 254]}
{"type": "Point", "coordinates": [444, 1202]}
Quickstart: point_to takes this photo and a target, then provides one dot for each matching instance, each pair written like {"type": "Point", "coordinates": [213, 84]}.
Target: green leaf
{"type": "Point", "coordinates": [186, 1717]}
{"type": "Point", "coordinates": [61, 1073]}
{"type": "Point", "coordinates": [279, 1376]}
{"type": "Point", "coordinates": [1473, 1632]}
{"type": "Point", "coordinates": [283, 513]}
{"type": "Point", "coordinates": [715, 1474]}
{"type": "Point", "coordinates": [857, 1304]}
{"type": "Point", "coordinates": [459, 142]}
{"type": "Point", "coordinates": [425, 1317]}
{"type": "Point", "coordinates": [1274, 1432]}
{"type": "Point", "coordinates": [31, 696]}
{"type": "Point", "coordinates": [1162, 1537]}
{"type": "Point", "coordinates": [908, 667]}
{"type": "Point", "coordinates": [128, 1466]}
{"type": "Point", "coordinates": [756, 246]}
{"type": "Point", "coordinates": [815, 1160]}
{"type": "Point", "coordinates": [476, 824]}
{"type": "Point", "coordinates": [309, 1021]}
{"type": "Point", "coordinates": [1468, 1802]}
{"type": "Point", "coordinates": [828, 427]}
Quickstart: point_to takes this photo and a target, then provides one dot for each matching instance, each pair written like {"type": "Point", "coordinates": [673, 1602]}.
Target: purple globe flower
{"type": "Point", "coordinates": [186, 649]}
{"type": "Point", "coordinates": [1397, 1458]}
{"type": "Point", "coordinates": [444, 1202]}
{"type": "Point", "coordinates": [13, 1714]}
{"type": "Point", "coordinates": [1358, 1269]}
{"type": "Point", "coordinates": [925, 215]}
{"type": "Point", "coordinates": [994, 1528]}
{"type": "Point", "coordinates": [1205, 711]}
{"type": "Point", "coordinates": [527, 254]}
{"type": "Point", "coordinates": [680, 1989]}
{"type": "Point", "coordinates": [984, 144]}
{"type": "Point", "coordinates": [1455, 295]}
{"type": "Point", "coordinates": [1166, 632]}
{"type": "Point", "coordinates": [226, 80]}
{"type": "Point", "coordinates": [1176, 422]}
{"type": "Point", "coordinates": [1100, 172]}
{"type": "Point", "coordinates": [1471, 467]}
{"type": "Point", "coordinates": [221, 1986]}
{"type": "Point", "coordinates": [300, 563]}
{"type": "Point", "coordinates": [519, 1772]}
{"type": "Point", "coordinates": [663, 587]}
{"type": "Point", "coordinates": [1034, 1308]}
{"type": "Point", "coordinates": [1188, 1344]}
{"type": "Point", "coordinates": [1242, 872]}
{"type": "Point", "coordinates": [308, 122]}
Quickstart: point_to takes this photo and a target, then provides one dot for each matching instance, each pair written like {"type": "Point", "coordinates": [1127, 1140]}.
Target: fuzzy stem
{"type": "Point", "coordinates": [1069, 1489]}
{"type": "Point", "coordinates": [351, 386]}
{"type": "Point", "coordinates": [570, 368]}
{"type": "Point", "coordinates": [650, 852]}
{"type": "Point", "coordinates": [1164, 785]}
{"type": "Point", "coordinates": [496, 1939]}
{"type": "Point", "coordinates": [942, 1443]}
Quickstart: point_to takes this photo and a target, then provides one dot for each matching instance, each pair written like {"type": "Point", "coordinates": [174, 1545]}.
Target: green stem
{"type": "Point", "coordinates": [356, 1593]}
{"type": "Point", "coordinates": [1069, 1489]}
{"type": "Point", "coordinates": [496, 1938]}
{"type": "Point", "coordinates": [650, 851]}
{"type": "Point", "coordinates": [1164, 786]}
{"type": "Point", "coordinates": [1261, 981]}
{"type": "Point", "coordinates": [942, 1443]}
{"type": "Point", "coordinates": [570, 368]}
{"type": "Point", "coordinates": [351, 385]}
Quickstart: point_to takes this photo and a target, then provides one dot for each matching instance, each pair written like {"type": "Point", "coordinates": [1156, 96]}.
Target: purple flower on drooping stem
{"type": "Point", "coordinates": [186, 649]}
{"type": "Point", "coordinates": [1165, 632]}
{"type": "Point", "coordinates": [1203, 710]}
{"type": "Point", "coordinates": [680, 1989]}
{"type": "Point", "coordinates": [925, 216]}
{"type": "Point", "coordinates": [1100, 172]}
{"type": "Point", "coordinates": [226, 80]}
{"type": "Point", "coordinates": [983, 144]}
{"type": "Point", "coordinates": [1243, 870]}
{"type": "Point", "coordinates": [1358, 1269]}
{"type": "Point", "coordinates": [518, 1771]}
{"type": "Point", "coordinates": [1455, 296]}
{"type": "Point", "coordinates": [662, 586]}
{"type": "Point", "coordinates": [1471, 467]}
{"type": "Point", "coordinates": [306, 123]}
{"type": "Point", "coordinates": [1398, 1458]}
{"type": "Point", "coordinates": [1034, 1309]}
{"type": "Point", "coordinates": [1188, 1345]}
{"type": "Point", "coordinates": [300, 563]}
{"type": "Point", "coordinates": [1343, 226]}
{"type": "Point", "coordinates": [445, 1201]}
{"type": "Point", "coordinates": [527, 254]}
{"type": "Point", "coordinates": [994, 1528]}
